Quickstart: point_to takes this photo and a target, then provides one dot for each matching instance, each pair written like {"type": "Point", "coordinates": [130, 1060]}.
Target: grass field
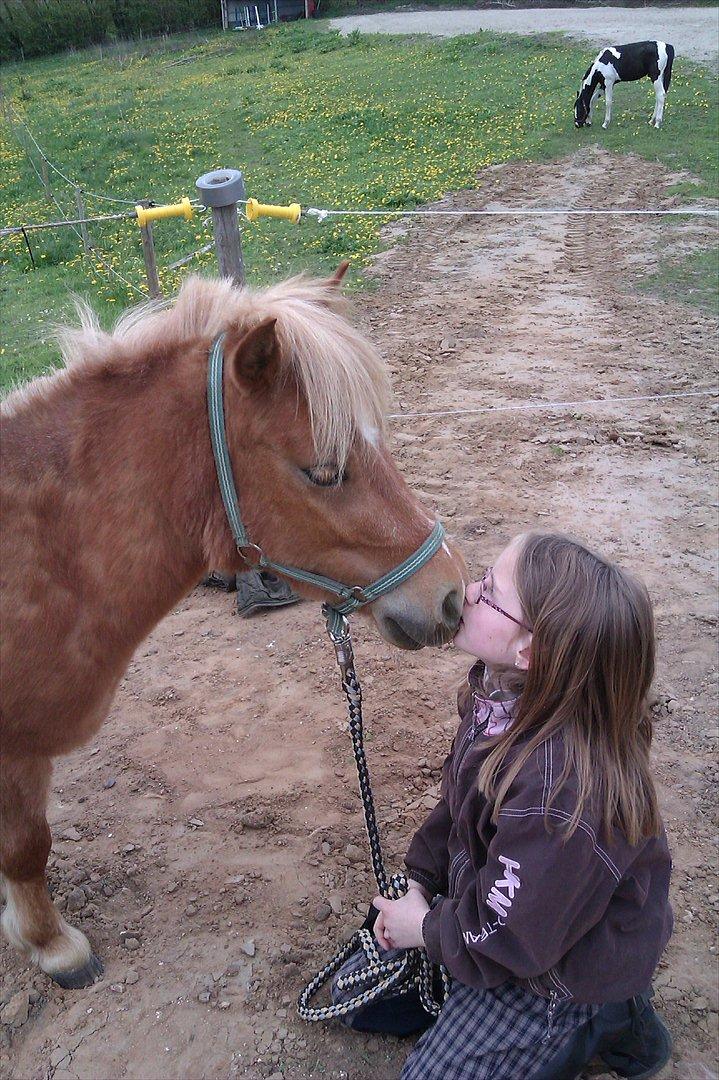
{"type": "Point", "coordinates": [356, 122]}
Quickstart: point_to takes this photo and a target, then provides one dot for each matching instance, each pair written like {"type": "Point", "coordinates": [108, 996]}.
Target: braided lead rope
{"type": "Point", "coordinates": [389, 974]}
{"type": "Point", "coordinates": [413, 968]}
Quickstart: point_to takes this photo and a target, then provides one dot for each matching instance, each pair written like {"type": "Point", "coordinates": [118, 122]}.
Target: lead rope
{"type": "Point", "coordinates": [413, 967]}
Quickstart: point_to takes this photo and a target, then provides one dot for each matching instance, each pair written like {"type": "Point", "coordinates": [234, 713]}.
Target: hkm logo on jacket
{"type": "Point", "coordinates": [498, 901]}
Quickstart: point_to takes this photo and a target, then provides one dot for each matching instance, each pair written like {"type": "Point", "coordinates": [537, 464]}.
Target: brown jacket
{"type": "Point", "coordinates": [582, 918]}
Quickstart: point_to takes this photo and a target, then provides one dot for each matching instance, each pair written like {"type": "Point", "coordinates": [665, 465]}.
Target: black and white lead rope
{"type": "Point", "coordinates": [413, 967]}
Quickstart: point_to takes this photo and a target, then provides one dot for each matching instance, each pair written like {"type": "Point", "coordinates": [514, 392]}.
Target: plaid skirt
{"type": "Point", "coordinates": [506, 1033]}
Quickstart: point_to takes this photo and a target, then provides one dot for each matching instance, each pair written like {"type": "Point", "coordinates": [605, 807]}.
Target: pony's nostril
{"type": "Point", "coordinates": [452, 608]}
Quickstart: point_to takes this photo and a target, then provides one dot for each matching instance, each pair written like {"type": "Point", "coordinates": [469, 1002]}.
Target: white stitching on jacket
{"type": "Point", "coordinates": [546, 770]}
{"type": "Point", "coordinates": [563, 816]}
{"type": "Point", "coordinates": [557, 981]}
{"type": "Point", "coordinates": [453, 878]}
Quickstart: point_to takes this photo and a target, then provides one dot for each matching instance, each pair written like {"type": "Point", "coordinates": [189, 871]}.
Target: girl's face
{"type": "Point", "coordinates": [487, 633]}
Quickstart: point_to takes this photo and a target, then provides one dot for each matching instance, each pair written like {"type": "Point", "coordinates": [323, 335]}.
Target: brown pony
{"type": "Point", "coordinates": [112, 513]}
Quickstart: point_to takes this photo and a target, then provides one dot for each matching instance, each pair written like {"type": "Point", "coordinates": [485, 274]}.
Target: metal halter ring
{"type": "Point", "coordinates": [261, 560]}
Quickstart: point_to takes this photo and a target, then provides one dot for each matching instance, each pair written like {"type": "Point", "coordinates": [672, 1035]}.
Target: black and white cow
{"type": "Point", "coordinates": [625, 63]}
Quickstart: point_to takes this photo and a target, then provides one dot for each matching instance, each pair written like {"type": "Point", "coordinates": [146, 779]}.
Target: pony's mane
{"type": "Point", "coordinates": [342, 377]}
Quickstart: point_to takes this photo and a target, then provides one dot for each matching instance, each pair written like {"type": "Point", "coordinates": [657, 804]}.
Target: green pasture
{"type": "Point", "coordinates": [357, 122]}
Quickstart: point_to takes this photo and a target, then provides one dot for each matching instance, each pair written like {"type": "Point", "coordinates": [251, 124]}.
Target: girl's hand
{"type": "Point", "coordinates": [380, 933]}
{"type": "Point", "coordinates": [400, 921]}
{"type": "Point", "coordinates": [412, 884]}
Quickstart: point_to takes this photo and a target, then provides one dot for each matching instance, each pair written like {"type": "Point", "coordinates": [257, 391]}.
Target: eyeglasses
{"type": "Point", "coordinates": [490, 603]}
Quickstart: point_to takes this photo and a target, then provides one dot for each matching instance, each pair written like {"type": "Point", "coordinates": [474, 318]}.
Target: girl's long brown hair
{"type": "Point", "coordinates": [590, 670]}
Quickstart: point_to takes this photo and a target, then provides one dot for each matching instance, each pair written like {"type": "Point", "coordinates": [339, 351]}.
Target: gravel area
{"type": "Point", "coordinates": [694, 32]}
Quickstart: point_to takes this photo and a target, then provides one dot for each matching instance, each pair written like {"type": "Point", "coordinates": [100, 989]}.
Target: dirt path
{"type": "Point", "coordinates": [694, 32]}
{"type": "Point", "coordinates": [215, 822]}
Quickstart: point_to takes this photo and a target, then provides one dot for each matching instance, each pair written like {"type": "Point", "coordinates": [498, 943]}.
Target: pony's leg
{"type": "Point", "coordinates": [30, 920]}
{"type": "Point", "coordinates": [653, 117]}
{"type": "Point", "coordinates": [592, 102]}
{"type": "Point", "coordinates": [608, 106]}
{"type": "Point", "coordinates": [660, 94]}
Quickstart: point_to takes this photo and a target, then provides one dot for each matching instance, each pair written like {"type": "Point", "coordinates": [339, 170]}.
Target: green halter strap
{"type": "Point", "coordinates": [351, 596]}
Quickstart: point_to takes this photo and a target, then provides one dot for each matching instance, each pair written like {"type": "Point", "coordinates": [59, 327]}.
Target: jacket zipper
{"type": "Point", "coordinates": [551, 1010]}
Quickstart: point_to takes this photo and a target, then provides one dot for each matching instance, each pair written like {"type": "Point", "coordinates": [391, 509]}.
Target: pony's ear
{"type": "Point", "coordinates": [252, 357]}
{"type": "Point", "coordinates": [339, 273]}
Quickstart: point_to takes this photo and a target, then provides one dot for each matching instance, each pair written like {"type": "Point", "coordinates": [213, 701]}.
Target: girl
{"type": "Point", "coordinates": [545, 860]}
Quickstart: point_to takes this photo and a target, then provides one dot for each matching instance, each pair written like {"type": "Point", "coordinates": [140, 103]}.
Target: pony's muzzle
{"type": "Point", "coordinates": [405, 622]}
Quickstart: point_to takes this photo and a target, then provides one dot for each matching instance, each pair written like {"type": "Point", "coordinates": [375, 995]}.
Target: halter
{"type": "Point", "coordinates": [352, 597]}
{"type": "Point", "coordinates": [414, 969]}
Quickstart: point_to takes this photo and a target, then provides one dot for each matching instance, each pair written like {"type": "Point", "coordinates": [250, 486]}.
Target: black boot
{"type": "Point", "coordinates": [257, 589]}
{"type": "Point", "coordinates": [643, 1049]}
{"type": "Point", "coordinates": [628, 1036]}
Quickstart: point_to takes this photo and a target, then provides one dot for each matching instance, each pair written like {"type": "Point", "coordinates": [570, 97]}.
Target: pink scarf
{"type": "Point", "coordinates": [496, 715]}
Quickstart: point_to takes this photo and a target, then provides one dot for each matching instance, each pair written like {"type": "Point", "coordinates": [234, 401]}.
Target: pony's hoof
{"type": "Point", "coordinates": [80, 977]}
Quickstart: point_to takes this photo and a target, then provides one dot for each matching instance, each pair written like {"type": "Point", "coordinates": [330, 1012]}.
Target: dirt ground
{"type": "Point", "coordinates": [210, 842]}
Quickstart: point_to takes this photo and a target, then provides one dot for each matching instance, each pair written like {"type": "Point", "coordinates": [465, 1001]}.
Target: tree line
{"type": "Point", "coordinates": [42, 27]}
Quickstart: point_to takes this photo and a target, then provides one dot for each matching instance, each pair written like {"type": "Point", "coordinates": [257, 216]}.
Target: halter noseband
{"type": "Point", "coordinates": [352, 597]}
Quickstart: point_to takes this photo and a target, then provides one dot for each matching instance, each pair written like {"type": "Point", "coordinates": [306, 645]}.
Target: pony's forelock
{"type": "Point", "coordinates": [342, 377]}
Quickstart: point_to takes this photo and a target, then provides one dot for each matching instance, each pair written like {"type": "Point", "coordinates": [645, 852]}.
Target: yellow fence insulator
{"type": "Point", "coordinates": [257, 209]}
{"type": "Point", "coordinates": [182, 209]}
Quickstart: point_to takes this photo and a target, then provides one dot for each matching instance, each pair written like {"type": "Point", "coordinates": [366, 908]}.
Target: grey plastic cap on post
{"type": "Point", "coordinates": [222, 187]}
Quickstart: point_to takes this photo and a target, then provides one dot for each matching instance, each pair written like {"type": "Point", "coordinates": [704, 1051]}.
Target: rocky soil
{"type": "Point", "coordinates": [210, 842]}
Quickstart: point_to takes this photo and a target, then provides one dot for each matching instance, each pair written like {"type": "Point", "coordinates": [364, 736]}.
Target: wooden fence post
{"type": "Point", "coordinates": [148, 253]}
{"type": "Point", "coordinates": [221, 190]}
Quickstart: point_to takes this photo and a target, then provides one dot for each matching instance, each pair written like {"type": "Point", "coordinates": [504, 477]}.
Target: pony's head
{"type": "Point", "coordinates": [581, 108]}
{"type": "Point", "coordinates": [583, 100]}
{"type": "Point", "coordinates": [305, 400]}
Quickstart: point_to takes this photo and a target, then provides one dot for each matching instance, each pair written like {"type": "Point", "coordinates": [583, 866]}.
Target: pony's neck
{"type": "Point", "coordinates": [157, 518]}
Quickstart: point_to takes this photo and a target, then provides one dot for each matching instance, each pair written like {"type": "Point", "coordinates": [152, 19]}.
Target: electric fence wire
{"type": "Point", "coordinates": [690, 211]}
{"type": "Point", "coordinates": [96, 253]}
{"type": "Point", "coordinates": [73, 183]}
{"type": "Point", "coordinates": [10, 230]}
{"type": "Point", "coordinates": [531, 406]}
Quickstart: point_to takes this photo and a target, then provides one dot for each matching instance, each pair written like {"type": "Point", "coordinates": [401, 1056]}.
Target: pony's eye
{"type": "Point", "coordinates": [325, 476]}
